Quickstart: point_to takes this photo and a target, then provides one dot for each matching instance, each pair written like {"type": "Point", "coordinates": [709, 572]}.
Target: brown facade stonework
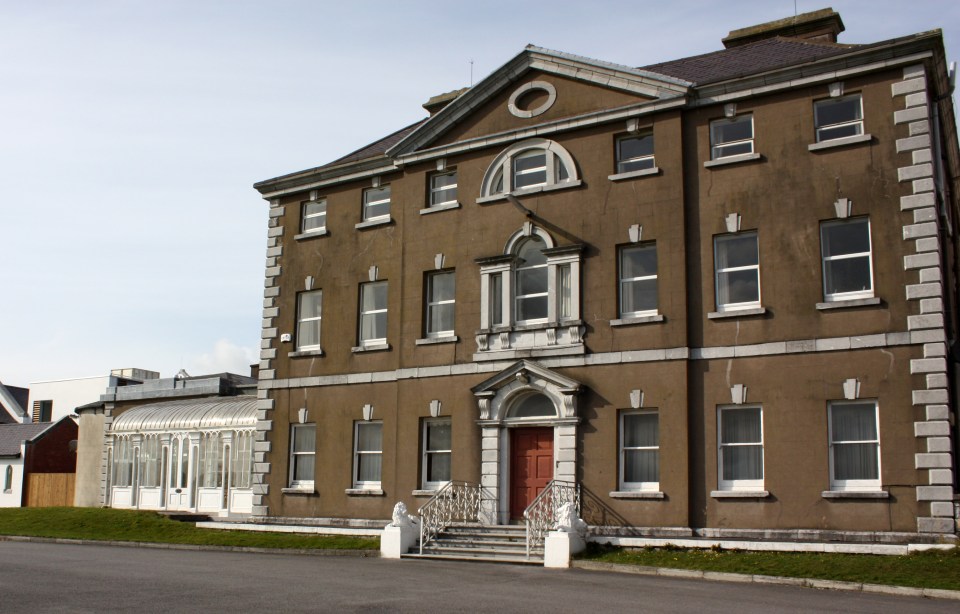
{"type": "Point", "coordinates": [790, 357]}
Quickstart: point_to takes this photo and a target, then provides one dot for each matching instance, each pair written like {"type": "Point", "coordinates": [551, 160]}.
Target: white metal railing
{"type": "Point", "coordinates": [455, 502]}
{"type": "Point", "coordinates": [541, 515]}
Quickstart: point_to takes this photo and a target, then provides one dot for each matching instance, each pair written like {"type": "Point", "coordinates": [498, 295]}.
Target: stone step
{"type": "Point", "coordinates": [479, 545]}
{"type": "Point", "coordinates": [459, 540]}
{"type": "Point", "coordinates": [478, 558]}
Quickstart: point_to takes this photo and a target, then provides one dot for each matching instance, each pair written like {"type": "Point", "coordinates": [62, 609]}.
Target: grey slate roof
{"type": "Point", "coordinates": [377, 148]}
{"type": "Point", "coordinates": [741, 61]}
{"type": "Point", "coordinates": [11, 435]}
{"type": "Point", "coordinates": [763, 55]}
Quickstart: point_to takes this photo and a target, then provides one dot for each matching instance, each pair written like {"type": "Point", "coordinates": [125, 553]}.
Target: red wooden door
{"type": "Point", "coordinates": [531, 466]}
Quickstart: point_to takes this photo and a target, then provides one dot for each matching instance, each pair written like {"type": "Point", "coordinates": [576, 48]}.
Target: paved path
{"type": "Point", "coordinates": [40, 577]}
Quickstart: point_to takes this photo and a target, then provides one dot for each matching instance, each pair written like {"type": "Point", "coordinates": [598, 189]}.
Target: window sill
{"type": "Point", "coordinates": [313, 234]}
{"type": "Point", "coordinates": [299, 490]}
{"type": "Point", "coordinates": [841, 142]}
{"type": "Point", "coordinates": [439, 208]}
{"type": "Point", "coordinates": [855, 494]}
{"type": "Point", "coordinates": [436, 340]}
{"type": "Point", "coordinates": [380, 347]}
{"type": "Point", "coordinates": [646, 172]}
{"type": "Point", "coordinates": [732, 160]}
{"type": "Point", "coordinates": [637, 320]}
{"type": "Point", "coordinates": [380, 221]}
{"type": "Point", "coordinates": [637, 494]}
{"type": "Point", "coordinates": [739, 494]}
{"type": "Point", "coordinates": [736, 313]}
{"type": "Point", "coordinates": [424, 493]}
{"type": "Point", "coordinates": [562, 185]}
{"type": "Point", "coordinates": [849, 303]}
{"type": "Point", "coordinates": [364, 492]}
{"type": "Point", "coordinates": [300, 353]}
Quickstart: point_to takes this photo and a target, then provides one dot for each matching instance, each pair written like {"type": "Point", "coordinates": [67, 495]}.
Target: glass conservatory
{"type": "Point", "coordinates": [192, 456]}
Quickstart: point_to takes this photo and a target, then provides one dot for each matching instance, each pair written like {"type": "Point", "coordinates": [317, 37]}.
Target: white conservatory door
{"type": "Point", "coordinates": [178, 494]}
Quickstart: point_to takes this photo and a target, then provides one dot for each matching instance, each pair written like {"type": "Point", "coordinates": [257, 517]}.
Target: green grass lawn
{"type": "Point", "coordinates": [133, 526]}
{"type": "Point", "coordinates": [932, 569]}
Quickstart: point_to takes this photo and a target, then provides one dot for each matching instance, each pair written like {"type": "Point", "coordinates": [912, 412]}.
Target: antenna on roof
{"type": "Point", "coordinates": [471, 72]}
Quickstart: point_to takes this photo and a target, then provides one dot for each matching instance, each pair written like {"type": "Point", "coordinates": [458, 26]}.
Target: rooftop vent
{"type": "Point", "coordinates": [823, 25]}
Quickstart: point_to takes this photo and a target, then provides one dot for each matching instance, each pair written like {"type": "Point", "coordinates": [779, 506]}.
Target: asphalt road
{"type": "Point", "coordinates": [41, 577]}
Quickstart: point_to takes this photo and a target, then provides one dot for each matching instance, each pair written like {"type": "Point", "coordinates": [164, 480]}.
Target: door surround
{"type": "Point", "coordinates": [498, 399]}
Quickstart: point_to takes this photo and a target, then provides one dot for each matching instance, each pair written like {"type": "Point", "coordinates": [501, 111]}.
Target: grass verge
{"type": "Point", "coordinates": [133, 526]}
{"type": "Point", "coordinates": [931, 569]}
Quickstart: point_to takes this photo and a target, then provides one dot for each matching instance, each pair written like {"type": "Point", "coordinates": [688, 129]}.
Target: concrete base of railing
{"type": "Point", "coordinates": [559, 547]}
{"type": "Point", "coordinates": [396, 541]}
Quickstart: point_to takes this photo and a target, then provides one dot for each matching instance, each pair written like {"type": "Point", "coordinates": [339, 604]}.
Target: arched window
{"type": "Point", "coordinates": [534, 406]}
{"type": "Point", "coordinates": [530, 166]}
{"type": "Point", "coordinates": [534, 285]}
{"type": "Point", "coordinates": [8, 479]}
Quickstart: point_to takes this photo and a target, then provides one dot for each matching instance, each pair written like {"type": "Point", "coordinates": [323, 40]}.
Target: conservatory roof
{"type": "Point", "coordinates": [209, 413]}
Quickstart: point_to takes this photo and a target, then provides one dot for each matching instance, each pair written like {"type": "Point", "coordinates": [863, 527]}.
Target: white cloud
{"type": "Point", "coordinates": [226, 356]}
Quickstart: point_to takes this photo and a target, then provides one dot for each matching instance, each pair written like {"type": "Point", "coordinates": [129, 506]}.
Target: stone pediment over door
{"type": "Point", "coordinates": [536, 88]}
{"type": "Point", "coordinates": [498, 394]}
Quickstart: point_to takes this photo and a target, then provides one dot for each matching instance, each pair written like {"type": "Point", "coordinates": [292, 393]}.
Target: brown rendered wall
{"type": "Point", "coordinates": [784, 195]}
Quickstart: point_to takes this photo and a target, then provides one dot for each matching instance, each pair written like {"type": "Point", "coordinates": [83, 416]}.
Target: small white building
{"type": "Point", "coordinates": [53, 399]}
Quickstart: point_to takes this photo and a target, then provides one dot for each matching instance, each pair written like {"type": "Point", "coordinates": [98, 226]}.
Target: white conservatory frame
{"type": "Point", "coordinates": [232, 421]}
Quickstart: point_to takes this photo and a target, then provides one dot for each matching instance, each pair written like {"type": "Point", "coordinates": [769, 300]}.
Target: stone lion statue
{"type": "Point", "coordinates": [400, 516]}
{"type": "Point", "coordinates": [568, 521]}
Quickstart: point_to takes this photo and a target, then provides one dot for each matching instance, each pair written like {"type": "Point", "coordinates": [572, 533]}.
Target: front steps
{"type": "Point", "coordinates": [475, 542]}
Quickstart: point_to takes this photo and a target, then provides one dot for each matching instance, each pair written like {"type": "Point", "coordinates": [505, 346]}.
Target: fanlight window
{"type": "Point", "coordinates": [534, 406]}
{"type": "Point", "coordinates": [530, 166]}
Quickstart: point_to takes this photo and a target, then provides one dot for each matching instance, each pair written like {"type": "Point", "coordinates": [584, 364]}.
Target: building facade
{"type": "Point", "coordinates": [719, 294]}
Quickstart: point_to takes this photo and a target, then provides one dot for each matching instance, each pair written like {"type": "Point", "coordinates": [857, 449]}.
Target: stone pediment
{"type": "Point", "coordinates": [578, 85]}
{"type": "Point", "coordinates": [497, 394]}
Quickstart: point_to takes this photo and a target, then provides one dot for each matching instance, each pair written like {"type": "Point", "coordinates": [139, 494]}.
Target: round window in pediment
{"type": "Point", "coordinates": [532, 99]}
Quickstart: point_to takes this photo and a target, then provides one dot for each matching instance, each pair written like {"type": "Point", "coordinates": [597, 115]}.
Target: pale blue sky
{"type": "Point", "coordinates": [131, 133]}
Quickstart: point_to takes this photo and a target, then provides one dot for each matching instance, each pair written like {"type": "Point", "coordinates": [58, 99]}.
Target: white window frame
{"type": "Point", "coordinates": [241, 460]}
{"type": "Point", "coordinates": [636, 163]}
{"type": "Point", "coordinates": [717, 146]}
{"type": "Point", "coordinates": [320, 214]}
{"type": "Point", "coordinates": [856, 294]}
{"type": "Point", "coordinates": [559, 167]}
{"type": "Point", "coordinates": [857, 122]}
{"type": "Point", "coordinates": [739, 484]}
{"type": "Point", "coordinates": [718, 271]}
{"type": "Point", "coordinates": [520, 268]}
{"type": "Point", "coordinates": [435, 190]}
{"type": "Point", "coordinates": [637, 486]}
{"type": "Point", "coordinates": [385, 309]}
{"type": "Point", "coordinates": [432, 303]}
{"type": "Point", "coordinates": [307, 456]}
{"type": "Point", "coordinates": [368, 203]}
{"type": "Point", "coordinates": [625, 281]}
{"type": "Point", "coordinates": [426, 452]}
{"type": "Point", "coordinates": [357, 453]}
{"type": "Point", "coordinates": [312, 321]}
{"type": "Point", "coordinates": [498, 286]}
{"type": "Point", "coordinates": [854, 485]}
